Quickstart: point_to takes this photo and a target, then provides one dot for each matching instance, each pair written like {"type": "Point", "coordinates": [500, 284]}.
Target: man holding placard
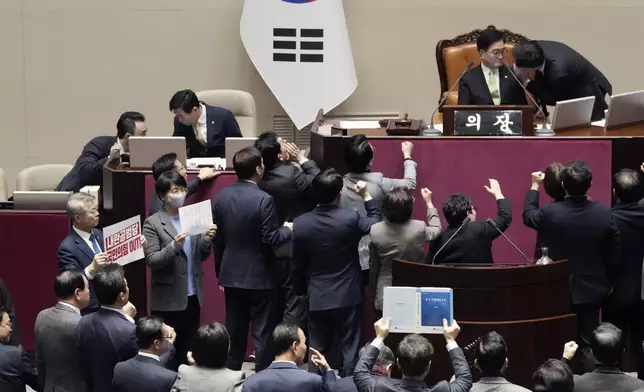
{"type": "Point", "coordinates": [178, 244]}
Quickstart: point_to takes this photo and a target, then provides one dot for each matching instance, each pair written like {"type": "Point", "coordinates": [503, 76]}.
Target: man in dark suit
{"type": "Point", "coordinates": [492, 361]}
{"type": "Point", "coordinates": [58, 359]}
{"type": "Point", "coordinates": [144, 372]}
{"type": "Point", "coordinates": [560, 74]}
{"type": "Point", "coordinates": [284, 374]}
{"type": "Point", "coordinates": [88, 169]}
{"type": "Point", "coordinates": [7, 303]}
{"type": "Point", "coordinates": [205, 127]}
{"type": "Point", "coordinates": [490, 83]}
{"type": "Point", "coordinates": [245, 263]}
{"type": "Point", "coordinates": [382, 367]}
{"type": "Point", "coordinates": [107, 336]}
{"type": "Point", "coordinates": [16, 370]}
{"type": "Point", "coordinates": [414, 360]}
{"type": "Point", "coordinates": [82, 249]}
{"type": "Point", "coordinates": [584, 233]}
{"type": "Point", "coordinates": [472, 242]}
{"type": "Point", "coordinates": [608, 347]}
{"type": "Point", "coordinates": [325, 253]}
{"type": "Point", "coordinates": [624, 306]}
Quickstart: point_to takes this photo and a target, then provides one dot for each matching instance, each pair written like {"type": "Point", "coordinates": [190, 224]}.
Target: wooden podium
{"type": "Point", "coordinates": [528, 305]}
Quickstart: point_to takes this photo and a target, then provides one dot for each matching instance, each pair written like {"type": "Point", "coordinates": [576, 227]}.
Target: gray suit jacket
{"type": "Point", "coordinates": [607, 378]}
{"type": "Point", "coordinates": [169, 280]}
{"type": "Point", "coordinates": [200, 379]}
{"type": "Point", "coordinates": [377, 185]}
{"type": "Point", "coordinates": [397, 241]}
{"type": "Point", "coordinates": [57, 356]}
{"type": "Point", "coordinates": [496, 384]}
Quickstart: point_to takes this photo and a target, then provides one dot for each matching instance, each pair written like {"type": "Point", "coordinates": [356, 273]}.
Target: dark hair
{"type": "Point", "coordinates": [3, 310]}
{"type": "Point", "coordinates": [552, 181]}
{"type": "Point", "coordinates": [211, 346]}
{"type": "Point", "coordinates": [398, 205]}
{"type": "Point", "coordinates": [488, 37]}
{"type": "Point", "coordinates": [607, 344]}
{"type": "Point", "coordinates": [163, 164]}
{"type": "Point", "coordinates": [269, 146]}
{"type": "Point", "coordinates": [357, 154]}
{"type": "Point", "coordinates": [165, 181]}
{"type": "Point", "coordinates": [109, 282]}
{"type": "Point", "coordinates": [490, 354]}
{"type": "Point", "coordinates": [284, 336]}
{"type": "Point", "coordinates": [456, 208]}
{"type": "Point", "coordinates": [246, 161]}
{"type": "Point", "coordinates": [553, 376]}
{"type": "Point", "coordinates": [67, 282]}
{"type": "Point", "coordinates": [327, 185]}
{"type": "Point", "coordinates": [127, 123]}
{"type": "Point", "coordinates": [414, 354]}
{"type": "Point", "coordinates": [386, 357]}
{"type": "Point", "coordinates": [627, 185]}
{"type": "Point", "coordinates": [149, 329]}
{"type": "Point", "coordinates": [185, 100]}
{"type": "Point", "coordinates": [528, 54]}
{"type": "Point", "coordinates": [577, 178]}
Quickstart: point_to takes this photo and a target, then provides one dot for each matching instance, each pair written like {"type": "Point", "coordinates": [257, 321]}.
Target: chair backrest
{"type": "Point", "coordinates": [452, 56]}
{"type": "Point", "coordinates": [4, 189]}
{"type": "Point", "coordinates": [42, 177]}
{"type": "Point", "coordinates": [241, 103]}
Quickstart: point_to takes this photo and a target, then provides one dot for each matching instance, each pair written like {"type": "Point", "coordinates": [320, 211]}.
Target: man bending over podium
{"type": "Point", "coordinates": [466, 240]}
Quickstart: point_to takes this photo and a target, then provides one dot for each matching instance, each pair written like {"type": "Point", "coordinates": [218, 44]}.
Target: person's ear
{"type": "Point", "coordinates": [506, 363]}
{"type": "Point", "coordinates": [476, 363]}
{"type": "Point", "coordinates": [398, 364]}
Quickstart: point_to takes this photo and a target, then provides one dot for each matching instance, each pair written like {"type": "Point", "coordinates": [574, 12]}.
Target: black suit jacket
{"type": "Point", "coordinates": [291, 189]}
{"type": "Point", "coordinates": [88, 169]}
{"type": "Point", "coordinates": [473, 244]}
{"type": "Point", "coordinates": [583, 232]}
{"type": "Point", "coordinates": [629, 218]}
{"type": "Point", "coordinates": [568, 75]}
{"type": "Point", "coordinates": [607, 378]}
{"type": "Point", "coordinates": [16, 370]}
{"type": "Point", "coordinates": [247, 232]}
{"type": "Point", "coordinates": [75, 255]}
{"type": "Point", "coordinates": [325, 252]}
{"type": "Point", "coordinates": [142, 374]}
{"type": "Point", "coordinates": [7, 303]}
{"type": "Point", "coordinates": [221, 123]}
{"type": "Point", "coordinates": [473, 89]}
{"type": "Point", "coordinates": [366, 382]}
{"type": "Point", "coordinates": [287, 377]}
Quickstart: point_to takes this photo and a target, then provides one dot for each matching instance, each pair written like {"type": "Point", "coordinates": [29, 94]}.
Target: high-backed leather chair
{"type": "Point", "coordinates": [452, 56]}
{"type": "Point", "coordinates": [42, 177]}
{"type": "Point", "coordinates": [4, 189]}
{"type": "Point", "coordinates": [241, 103]}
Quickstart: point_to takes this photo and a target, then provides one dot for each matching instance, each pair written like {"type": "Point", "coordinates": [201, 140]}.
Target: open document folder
{"type": "Point", "coordinates": [418, 309]}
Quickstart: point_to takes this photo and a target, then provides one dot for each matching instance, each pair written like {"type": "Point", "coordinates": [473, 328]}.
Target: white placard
{"type": "Point", "coordinates": [196, 218]}
{"type": "Point", "coordinates": [122, 241]}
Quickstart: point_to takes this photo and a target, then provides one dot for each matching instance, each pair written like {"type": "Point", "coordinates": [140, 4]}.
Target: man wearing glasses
{"type": "Point", "coordinates": [490, 83]}
{"type": "Point", "coordinates": [16, 370]}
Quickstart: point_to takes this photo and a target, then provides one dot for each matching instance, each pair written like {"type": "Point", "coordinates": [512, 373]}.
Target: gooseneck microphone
{"type": "Point", "coordinates": [465, 222]}
{"type": "Point", "coordinates": [546, 128]}
{"type": "Point", "coordinates": [493, 223]}
{"type": "Point", "coordinates": [432, 130]}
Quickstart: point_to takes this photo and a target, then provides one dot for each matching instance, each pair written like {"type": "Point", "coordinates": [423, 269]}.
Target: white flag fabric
{"type": "Point", "coordinates": [302, 50]}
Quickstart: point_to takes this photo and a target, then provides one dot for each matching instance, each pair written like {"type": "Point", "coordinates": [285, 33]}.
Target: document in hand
{"type": "Point", "coordinates": [196, 218]}
{"type": "Point", "coordinates": [122, 241]}
{"type": "Point", "coordinates": [418, 309]}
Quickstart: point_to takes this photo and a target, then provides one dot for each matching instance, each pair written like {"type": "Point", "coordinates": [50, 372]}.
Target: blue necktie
{"type": "Point", "coordinates": [95, 246]}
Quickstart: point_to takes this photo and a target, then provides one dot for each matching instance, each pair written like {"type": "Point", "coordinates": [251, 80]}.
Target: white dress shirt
{"type": "Point", "coordinates": [85, 236]}
{"type": "Point", "coordinates": [486, 73]}
{"type": "Point", "coordinates": [130, 319]}
{"type": "Point", "coordinates": [141, 353]}
{"type": "Point", "coordinates": [72, 307]}
{"type": "Point", "coordinates": [202, 124]}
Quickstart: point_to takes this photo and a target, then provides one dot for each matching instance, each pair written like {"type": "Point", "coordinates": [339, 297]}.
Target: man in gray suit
{"type": "Point", "coordinates": [491, 360]}
{"type": "Point", "coordinates": [59, 366]}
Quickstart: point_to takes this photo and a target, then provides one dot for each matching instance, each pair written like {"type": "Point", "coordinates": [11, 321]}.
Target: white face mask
{"type": "Point", "coordinates": [176, 200]}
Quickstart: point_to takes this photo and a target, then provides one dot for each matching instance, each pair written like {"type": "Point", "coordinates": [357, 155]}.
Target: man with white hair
{"type": "Point", "coordinates": [82, 250]}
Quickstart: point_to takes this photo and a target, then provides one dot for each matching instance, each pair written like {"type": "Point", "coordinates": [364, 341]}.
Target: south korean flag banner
{"type": "Point", "coordinates": [302, 50]}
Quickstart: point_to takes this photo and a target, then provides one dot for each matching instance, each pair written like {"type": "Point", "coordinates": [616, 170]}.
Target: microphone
{"type": "Point", "coordinates": [490, 221]}
{"type": "Point", "coordinates": [431, 130]}
{"type": "Point", "coordinates": [465, 222]}
{"type": "Point", "coordinates": [546, 128]}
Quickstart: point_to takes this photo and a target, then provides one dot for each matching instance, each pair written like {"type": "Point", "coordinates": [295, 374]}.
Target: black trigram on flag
{"type": "Point", "coordinates": [308, 47]}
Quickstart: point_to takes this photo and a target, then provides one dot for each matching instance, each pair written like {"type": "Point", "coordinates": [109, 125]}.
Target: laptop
{"type": "Point", "coordinates": [573, 113]}
{"type": "Point", "coordinates": [627, 108]}
{"type": "Point", "coordinates": [144, 150]}
{"type": "Point", "coordinates": [40, 200]}
{"type": "Point", "coordinates": [234, 144]}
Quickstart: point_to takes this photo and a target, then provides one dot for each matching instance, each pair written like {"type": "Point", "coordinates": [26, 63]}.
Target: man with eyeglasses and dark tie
{"type": "Point", "coordinates": [490, 83]}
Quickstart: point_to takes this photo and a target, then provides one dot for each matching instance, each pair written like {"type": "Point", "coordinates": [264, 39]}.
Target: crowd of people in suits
{"type": "Point", "coordinates": [297, 250]}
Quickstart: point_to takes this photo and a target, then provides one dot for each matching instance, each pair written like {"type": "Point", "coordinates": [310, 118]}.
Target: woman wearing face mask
{"type": "Point", "coordinates": [176, 291]}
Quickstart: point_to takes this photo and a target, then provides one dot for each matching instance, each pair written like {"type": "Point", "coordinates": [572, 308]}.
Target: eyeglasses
{"type": "Point", "coordinates": [499, 53]}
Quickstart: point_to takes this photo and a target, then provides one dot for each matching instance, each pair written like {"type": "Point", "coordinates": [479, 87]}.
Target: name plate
{"type": "Point", "coordinates": [488, 123]}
